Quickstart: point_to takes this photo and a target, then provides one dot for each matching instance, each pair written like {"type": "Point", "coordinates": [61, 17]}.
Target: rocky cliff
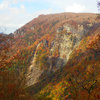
{"type": "Point", "coordinates": [61, 46]}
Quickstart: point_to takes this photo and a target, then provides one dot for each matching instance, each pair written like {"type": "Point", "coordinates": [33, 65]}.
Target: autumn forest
{"type": "Point", "coordinates": [52, 57]}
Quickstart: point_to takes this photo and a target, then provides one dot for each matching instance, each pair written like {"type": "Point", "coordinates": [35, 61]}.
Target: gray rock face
{"type": "Point", "coordinates": [32, 28]}
{"type": "Point", "coordinates": [17, 32]}
{"type": "Point", "coordinates": [59, 29]}
{"type": "Point", "coordinates": [33, 73]}
{"type": "Point", "coordinates": [79, 32]}
{"type": "Point", "coordinates": [63, 45]}
{"type": "Point", "coordinates": [45, 43]}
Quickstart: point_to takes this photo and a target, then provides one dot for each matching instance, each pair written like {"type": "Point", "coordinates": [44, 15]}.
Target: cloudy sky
{"type": "Point", "coordinates": [16, 13]}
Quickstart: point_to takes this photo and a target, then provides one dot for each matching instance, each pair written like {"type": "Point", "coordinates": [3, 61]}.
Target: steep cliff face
{"type": "Point", "coordinates": [34, 73]}
{"type": "Point", "coordinates": [59, 52]}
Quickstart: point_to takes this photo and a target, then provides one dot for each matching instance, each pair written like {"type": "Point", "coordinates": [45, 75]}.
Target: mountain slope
{"type": "Point", "coordinates": [59, 54]}
{"type": "Point", "coordinates": [79, 78]}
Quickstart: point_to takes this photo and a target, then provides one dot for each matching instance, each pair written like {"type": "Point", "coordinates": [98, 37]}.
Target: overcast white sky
{"type": "Point", "coordinates": [16, 13]}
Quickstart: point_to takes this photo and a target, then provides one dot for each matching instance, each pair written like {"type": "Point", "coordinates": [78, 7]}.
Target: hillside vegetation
{"type": "Point", "coordinates": [53, 57]}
